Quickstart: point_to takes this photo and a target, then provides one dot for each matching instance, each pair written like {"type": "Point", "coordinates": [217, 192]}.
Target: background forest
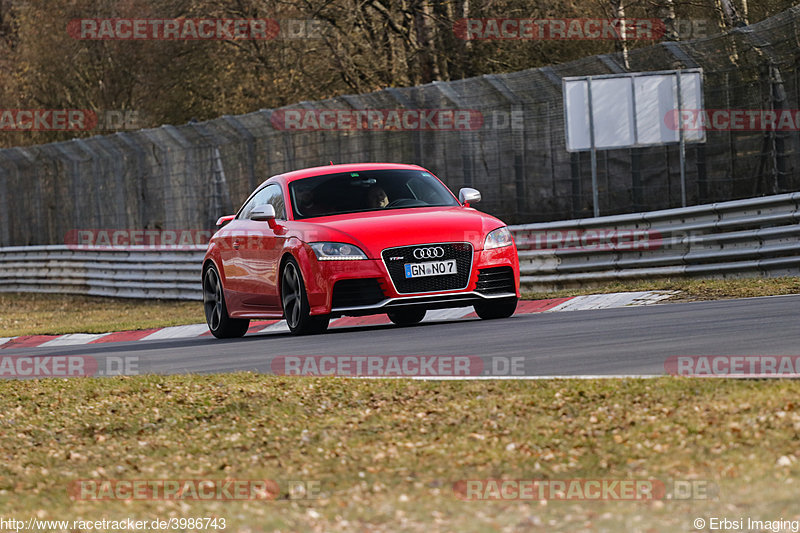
{"type": "Point", "coordinates": [353, 46]}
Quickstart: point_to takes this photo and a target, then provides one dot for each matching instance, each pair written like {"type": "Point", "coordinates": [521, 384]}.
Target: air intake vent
{"type": "Point", "coordinates": [496, 281]}
{"type": "Point", "coordinates": [356, 292]}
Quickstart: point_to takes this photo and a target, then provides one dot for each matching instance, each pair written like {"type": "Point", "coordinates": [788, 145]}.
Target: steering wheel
{"type": "Point", "coordinates": [401, 201]}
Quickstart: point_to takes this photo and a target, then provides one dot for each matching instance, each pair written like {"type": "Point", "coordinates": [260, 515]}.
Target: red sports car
{"type": "Point", "coordinates": [353, 240]}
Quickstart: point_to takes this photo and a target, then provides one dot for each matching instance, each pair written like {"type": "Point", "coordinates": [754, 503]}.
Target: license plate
{"type": "Point", "coordinates": [432, 268]}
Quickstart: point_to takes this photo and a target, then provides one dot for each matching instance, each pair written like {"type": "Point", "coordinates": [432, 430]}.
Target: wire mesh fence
{"type": "Point", "coordinates": [502, 134]}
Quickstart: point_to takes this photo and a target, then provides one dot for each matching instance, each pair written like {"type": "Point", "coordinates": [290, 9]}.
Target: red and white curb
{"type": "Point", "coordinates": [576, 303]}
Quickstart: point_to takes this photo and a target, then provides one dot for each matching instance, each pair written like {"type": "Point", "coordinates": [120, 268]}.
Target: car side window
{"type": "Point", "coordinates": [271, 194]}
{"type": "Point", "coordinates": [274, 196]}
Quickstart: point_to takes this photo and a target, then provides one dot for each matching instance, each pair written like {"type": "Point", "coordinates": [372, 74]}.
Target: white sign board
{"type": "Point", "coordinates": [630, 110]}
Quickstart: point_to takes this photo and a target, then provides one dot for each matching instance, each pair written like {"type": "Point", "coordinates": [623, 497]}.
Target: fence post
{"type": "Point", "coordinates": [117, 159]}
{"type": "Point", "coordinates": [99, 199]}
{"type": "Point", "coordinates": [190, 168]}
{"type": "Point", "coordinates": [220, 194]}
{"type": "Point", "coordinates": [674, 48]}
{"type": "Point", "coordinates": [467, 156]}
{"type": "Point", "coordinates": [250, 147]}
{"type": "Point", "coordinates": [517, 139]}
{"type": "Point", "coordinates": [219, 189]}
{"type": "Point", "coordinates": [74, 170]}
{"type": "Point", "coordinates": [404, 101]}
{"type": "Point", "coordinates": [288, 145]}
{"type": "Point", "coordinates": [141, 188]}
{"type": "Point", "coordinates": [5, 214]}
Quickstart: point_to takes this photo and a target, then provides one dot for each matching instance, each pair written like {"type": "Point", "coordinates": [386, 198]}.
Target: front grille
{"type": "Point", "coordinates": [356, 292]}
{"type": "Point", "coordinates": [496, 280]}
{"type": "Point", "coordinates": [395, 260]}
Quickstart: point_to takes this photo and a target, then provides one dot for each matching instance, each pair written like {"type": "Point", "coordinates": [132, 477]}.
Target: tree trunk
{"type": "Point", "coordinates": [621, 44]}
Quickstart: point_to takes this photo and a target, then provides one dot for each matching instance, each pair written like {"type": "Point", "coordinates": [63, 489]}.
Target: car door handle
{"type": "Point", "coordinates": [236, 244]}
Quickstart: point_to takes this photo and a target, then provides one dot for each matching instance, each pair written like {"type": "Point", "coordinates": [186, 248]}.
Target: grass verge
{"type": "Point", "coordinates": [56, 314]}
{"type": "Point", "coordinates": [387, 453]}
{"type": "Point", "coordinates": [690, 289]}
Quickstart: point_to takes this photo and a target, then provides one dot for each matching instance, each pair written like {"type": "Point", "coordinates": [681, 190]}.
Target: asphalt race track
{"type": "Point", "coordinates": [623, 341]}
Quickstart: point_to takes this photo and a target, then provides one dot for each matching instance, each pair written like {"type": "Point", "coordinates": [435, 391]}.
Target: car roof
{"type": "Point", "coordinates": [333, 169]}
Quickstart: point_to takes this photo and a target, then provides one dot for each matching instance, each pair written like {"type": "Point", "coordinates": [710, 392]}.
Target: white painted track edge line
{"type": "Point", "coordinates": [73, 339]}
{"type": "Point", "coordinates": [505, 378]}
{"type": "Point", "coordinates": [177, 332]}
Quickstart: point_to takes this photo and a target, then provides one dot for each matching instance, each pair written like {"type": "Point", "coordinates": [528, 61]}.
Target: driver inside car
{"type": "Point", "coordinates": [306, 202]}
{"type": "Point", "coordinates": [376, 197]}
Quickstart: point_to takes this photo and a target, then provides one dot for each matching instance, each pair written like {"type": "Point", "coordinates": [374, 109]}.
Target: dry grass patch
{"type": "Point", "coordinates": [387, 453]}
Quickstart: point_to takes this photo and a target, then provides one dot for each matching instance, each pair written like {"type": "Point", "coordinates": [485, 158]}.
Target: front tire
{"type": "Point", "coordinates": [496, 308]}
{"type": "Point", "coordinates": [407, 317]}
{"type": "Point", "coordinates": [296, 310]}
{"type": "Point", "coordinates": [219, 323]}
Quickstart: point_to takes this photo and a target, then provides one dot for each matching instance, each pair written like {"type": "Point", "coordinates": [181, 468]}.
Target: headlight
{"type": "Point", "coordinates": [498, 238]}
{"type": "Point", "coordinates": [337, 251]}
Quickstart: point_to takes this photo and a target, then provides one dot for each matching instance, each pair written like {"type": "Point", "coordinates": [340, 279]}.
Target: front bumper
{"type": "Point", "coordinates": [321, 278]}
{"type": "Point", "coordinates": [439, 301]}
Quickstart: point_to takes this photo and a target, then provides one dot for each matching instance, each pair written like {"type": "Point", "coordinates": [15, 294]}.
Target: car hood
{"type": "Point", "coordinates": [374, 231]}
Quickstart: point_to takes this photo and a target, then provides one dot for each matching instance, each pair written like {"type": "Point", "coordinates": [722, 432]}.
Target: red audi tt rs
{"type": "Point", "coordinates": [354, 240]}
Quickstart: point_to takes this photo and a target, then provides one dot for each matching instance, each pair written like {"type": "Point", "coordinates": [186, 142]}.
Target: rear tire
{"type": "Point", "coordinates": [295, 303]}
{"type": "Point", "coordinates": [496, 308]}
{"type": "Point", "coordinates": [407, 317]}
{"type": "Point", "coordinates": [219, 323]}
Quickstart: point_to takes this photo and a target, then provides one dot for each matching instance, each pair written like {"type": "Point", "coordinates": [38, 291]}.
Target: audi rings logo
{"type": "Point", "coordinates": [428, 253]}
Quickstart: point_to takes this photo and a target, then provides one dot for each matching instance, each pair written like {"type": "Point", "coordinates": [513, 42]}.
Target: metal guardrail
{"type": "Point", "coordinates": [754, 237]}
{"type": "Point", "coordinates": [759, 236]}
{"type": "Point", "coordinates": [134, 273]}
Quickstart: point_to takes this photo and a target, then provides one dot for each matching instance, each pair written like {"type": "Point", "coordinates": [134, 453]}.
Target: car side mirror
{"type": "Point", "coordinates": [468, 195]}
{"type": "Point", "coordinates": [262, 213]}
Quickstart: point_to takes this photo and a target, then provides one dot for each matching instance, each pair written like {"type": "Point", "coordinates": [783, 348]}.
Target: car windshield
{"type": "Point", "coordinates": [370, 190]}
